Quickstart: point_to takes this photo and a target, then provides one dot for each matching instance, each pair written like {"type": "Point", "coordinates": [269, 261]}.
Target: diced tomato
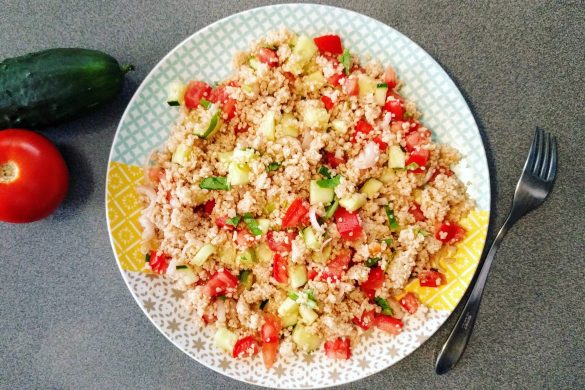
{"type": "Point", "coordinates": [327, 102]}
{"type": "Point", "coordinates": [271, 329]}
{"type": "Point", "coordinates": [218, 95]}
{"type": "Point", "coordinates": [241, 128]}
{"type": "Point", "coordinates": [337, 267]}
{"type": "Point", "coordinates": [362, 127]}
{"type": "Point", "coordinates": [450, 233]}
{"type": "Point", "coordinates": [312, 273]}
{"type": "Point", "coordinates": [417, 138]}
{"type": "Point", "coordinates": [381, 144]}
{"type": "Point", "coordinates": [267, 56]}
{"type": "Point", "coordinates": [159, 262]}
{"type": "Point", "coordinates": [348, 224]}
{"type": "Point", "coordinates": [295, 214]}
{"type": "Point", "coordinates": [221, 282]}
{"type": "Point", "coordinates": [366, 320]}
{"type": "Point", "coordinates": [375, 280]}
{"type": "Point", "coordinates": [280, 268]}
{"type": "Point", "coordinates": [290, 77]}
{"type": "Point", "coordinates": [388, 324]}
{"type": "Point", "coordinates": [340, 348]}
{"type": "Point", "coordinates": [396, 107]}
{"type": "Point", "coordinates": [419, 157]}
{"type": "Point", "coordinates": [440, 170]}
{"type": "Point", "coordinates": [413, 126]}
{"type": "Point", "coordinates": [329, 44]}
{"type": "Point", "coordinates": [416, 212]}
{"type": "Point", "coordinates": [208, 318]}
{"type": "Point", "coordinates": [280, 246]}
{"type": "Point", "coordinates": [203, 279]}
{"type": "Point", "coordinates": [332, 160]}
{"type": "Point", "coordinates": [208, 206]}
{"type": "Point", "coordinates": [195, 91]}
{"type": "Point", "coordinates": [245, 347]}
{"type": "Point", "coordinates": [244, 237]}
{"type": "Point", "coordinates": [229, 109]}
{"type": "Point", "coordinates": [269, 353]}
{"type": "Point", "coordinates": [155, 174]}
{"type": "Point", "coordinates": [396, 127]}
{"type": "Point", "coordinates": [351, 87]}
{"type": "Point", "coordinates": [221, 223]}
{"type": "Point", "coordinates": [334, 79]}
{"type": "Point", "coordinates": [390, 77]}
{"type": "Point", "coordinates": [410, 303]}
{"type": "Point", "coordinates": [431, 279]}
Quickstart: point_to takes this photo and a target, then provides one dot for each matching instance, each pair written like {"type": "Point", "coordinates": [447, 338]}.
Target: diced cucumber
{"type": "Point", "coordinates": [225, 339]}
{"type": "Point", "coordinates": [318, 194]}
{"type": "Point", "coordinates": [314, 81]}
{"type": "Point", "coordinates": [339, 125]}
{"type": "Point", "coordinates": [289, 320]}
{"type": "Point", "coordinates": [243, 155]}
{"type": "Point", "coordinates": [288, 126]}
{"type": "Point", "coordinates": [387, 175]}
{"type": "Point", "coordinates": [225, 157]}
{"type": "Point", "coordinates": [263, 253]}
{"type": "Point", "coordinates": [203, 254]}
{"type": "Point", "coordinates": [308, 315]}
{"type": "Point", "coordinates": [288, 307]}
{"type": "Point", "coordinates": [311, 240]}
{"type": "Point", "coordinates": [298, 275]}
{"type": "Point", "coordinates": [305, 340]}
{"type": "Point", "coordinates": [246, 279]}
{"type": "Point", "coordinates": [176, 93]}
{"type": "Point", "coordinates": [396, 157]}
{"type": "Point", "coordinates": [353, 202]}
{"type": "Point", "coordinates": [367, 84]}
{"type": "Point", "coordinates": [380, 94]}
{"type": "Point", "coordinates": [268, 208]}
{"type": "Point", "coordinates": [247, 257]}
{"type": "Point", "coordinates": [254, 63]}
{"type": "Point", "coordinates": [322, 256]}
{"type": "Point", "coordinates": [187, 275]}
{"type": "Point", "coordinates": [267, 126]}
{"type": "Point", "coordinates": [316, 118]}
{"type": "Point", "coordinates": [227, 255]}
{"type": "Point", "coordinates": [247, 88]}
{"type": "Point", "coordinates": [238, 174]}
{"type": "Point", "coordinates": [331, 209]}
{"type": "Point", "coordinates": [263, 225]}
{"type": "Point", "coordinates": [303, 51]}
{"type": "Point", "coordinates": [371, 187]}
{"type": "Point", "coordinates": [181, 154]}
{"type": "Point", "coordinates": [207, 131]}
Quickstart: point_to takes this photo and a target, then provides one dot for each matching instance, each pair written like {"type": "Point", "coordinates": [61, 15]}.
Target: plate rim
{"type": "Point", "coordinates": [160, 63]}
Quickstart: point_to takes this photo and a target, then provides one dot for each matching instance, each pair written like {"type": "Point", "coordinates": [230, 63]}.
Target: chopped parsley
{"type": "Point", "coordinates": [273, 166]}
{"type": "Point", "coordinates": [324, 171]}
{"type": "Point", "coordinates": [345, 59]}
{"type": "Point", "coordinates": [382, 85]}
{"type": "Point", "coordinates": [233, 221]}
{"type": "Point", "coordinates": [147, 258]}
{"type": "Point", "coordinates": [222, 297]}
{"type": "Point", "coordinates": [386, 309]}
{"type": "Point", "coordinates": [205, 103]}
{"type": "Point", "coordinates": [214, 183]}
{"type": "Point", "coordinates": [329, 183]}
{"type": "Point", "coordinates": [252, 224]}
{"type": "Point", "coordinates": [388, 241]}
{"type": "Point", "coordinates": [422, 232]}
{"type": "Point", "coordinates": [391, 219]}
{"type": "Point", "coordinates": [373, 261]}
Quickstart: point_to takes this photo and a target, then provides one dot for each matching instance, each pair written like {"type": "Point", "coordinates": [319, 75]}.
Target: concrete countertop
{"type": "Point", "coordinates": [67, 320]}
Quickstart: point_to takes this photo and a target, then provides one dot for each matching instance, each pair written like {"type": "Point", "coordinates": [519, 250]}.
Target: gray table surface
{"type": "Point", "coordinates": [67, 320]}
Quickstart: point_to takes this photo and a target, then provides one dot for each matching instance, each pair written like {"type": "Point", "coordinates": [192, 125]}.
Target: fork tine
{"type": "Point", "coordinates": [546, 157]}
{"type": "Point", "coordinates": [532, 152]}
{"type": "Point", "coordinates": [539, 152]}
{"type": "Point", "coordinates": [552, 171]}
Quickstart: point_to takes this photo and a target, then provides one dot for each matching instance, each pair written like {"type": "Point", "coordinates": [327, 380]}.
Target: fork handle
{"type": "Point", "coordinates": [455, 345]}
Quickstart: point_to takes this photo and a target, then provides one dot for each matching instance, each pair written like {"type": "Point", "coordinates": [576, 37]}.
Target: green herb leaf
{"type": "Point", "coordinates": [331, 209]}
{"type": "Point", "coordinates": [222, 297]}
{"type": "Point", "coordinates": [147, 258]}
{"type": "Point", "coordinates": [412, 166]}
{"type": "Point", "coordinates": [329, 183]}
{"type": "Point", "coordinates": [233, 221]}
{"type": "Point", "coordinates": [293, 295]}
{"type": "Point", "coordinates": [214, 183]}
{"type": "Point", "coordinates": [181, 267]}
{"type": "Point", "coordinates": [244, 274]}
{"type": "Point", "coordinates": [173, 103]}
{"type": "Point", "coordinates": [310, 296]}
{"type": "Point", "coordinates": [382, 85]}
{"type": "Point", "coordinates": [422, 232]}
{"type": "Point", "coordinates": [388, 241]}
{"type": "Point", "coordinates": [205, 103]}
{"type": "Point", "coordinates": [263, 304]}
{"type": "Point", "coordinates": [391, 219]}
{"type": "Point", "coordinates": [345, 59]}
{"type": "Point", "coordinates": [324, 171]}
{"type": "Point", "coordinates": [273, 166]}
{"type": "Point", "coordinates": [252, 224]}
{"type": "Point", "coordinates": [372, 261]}
{"type": "Point", "coordinates": [212, 124]}
{"type": "Point", "coordinates": [386, 309]}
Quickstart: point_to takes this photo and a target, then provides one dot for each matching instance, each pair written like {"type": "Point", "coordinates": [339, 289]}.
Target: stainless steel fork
{"type": "Point", "coordinates": [535, 184]}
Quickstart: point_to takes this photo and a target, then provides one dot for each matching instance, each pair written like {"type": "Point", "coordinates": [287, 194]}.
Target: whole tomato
{"type": "Point", "coordinates": [33, 176]}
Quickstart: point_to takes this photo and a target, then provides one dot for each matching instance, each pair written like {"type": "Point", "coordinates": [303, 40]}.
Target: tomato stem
{"type": "Point", "coordinates": [8, 172]}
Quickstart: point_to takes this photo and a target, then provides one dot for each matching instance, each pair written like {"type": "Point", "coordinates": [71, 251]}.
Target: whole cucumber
{"type": "Point", "coordinates": [51, 86]}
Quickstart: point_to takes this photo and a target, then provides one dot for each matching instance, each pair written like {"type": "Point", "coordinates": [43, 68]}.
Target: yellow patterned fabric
{"type": "Point", "coordinates": [124, 209]}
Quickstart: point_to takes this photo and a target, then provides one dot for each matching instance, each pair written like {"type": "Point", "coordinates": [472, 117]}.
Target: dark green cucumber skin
{"type": "Point", "coordinates": [52, 86]}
